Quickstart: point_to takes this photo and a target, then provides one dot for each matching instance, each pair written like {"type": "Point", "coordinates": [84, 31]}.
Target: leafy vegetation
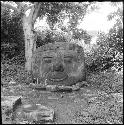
{"type": "Point", "coordinates": [107, 54]}
{"type": "Point", "coordinates": [104, 62]}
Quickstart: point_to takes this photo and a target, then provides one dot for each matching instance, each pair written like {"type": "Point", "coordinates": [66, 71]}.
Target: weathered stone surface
{"type": "Point", "coordinates": [59, 63]}
{"type": "Point", "coordinates": [64, 88]}
{"type": "Point", "coordinates": [36, 113]}
{"type": "Point", "coordinates": [37, 86]}
{"type": "Point", "coordinates": [12, 102]}
{"type": "Point", "coordinates": [78, 85]}
{"type": "Point", "coordinates": [55, 88]}
{"type": "Point", "coordinates": [9, 105]}
{"type": "Point", "coordinates": [51, 87]}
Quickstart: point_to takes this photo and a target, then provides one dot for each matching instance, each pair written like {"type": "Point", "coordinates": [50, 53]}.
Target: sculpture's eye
{"type": "Point", "coordinates": [68, 59]}
{"type": "Point", "coordinates": [47, 59]}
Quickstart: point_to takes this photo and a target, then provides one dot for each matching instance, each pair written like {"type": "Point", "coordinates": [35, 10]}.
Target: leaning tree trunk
{"type": "Point", "coordinates": [28, 24]}
{"type": "Point", "coordinates": [30, 44]}
{"type": "Point", "coordinates": [29, 34]}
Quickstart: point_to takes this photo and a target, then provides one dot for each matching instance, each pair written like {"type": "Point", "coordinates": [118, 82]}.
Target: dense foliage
{"type": "Point", "coordinates": [12, 40]}
{"type": "Point", "coordinates": [106, 54]}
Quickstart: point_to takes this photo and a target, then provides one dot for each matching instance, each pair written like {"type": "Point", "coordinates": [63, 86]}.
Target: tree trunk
{"type": "Point", "coordinates": [28, 25]}
{"type": "Point", "coordinates": [29, 34]}
{"type": "Point", "coordinates": [30, 44]}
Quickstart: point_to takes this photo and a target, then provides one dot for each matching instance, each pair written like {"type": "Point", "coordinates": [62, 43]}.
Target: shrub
{"type": "Point", "coordinates": [107, 53]}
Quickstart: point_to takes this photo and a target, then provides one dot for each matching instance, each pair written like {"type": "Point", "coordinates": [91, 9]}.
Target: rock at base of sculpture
{"type": "Point", "coordinates": [59, 88]}
{"type": "Point", "coordinates": [59, 64]}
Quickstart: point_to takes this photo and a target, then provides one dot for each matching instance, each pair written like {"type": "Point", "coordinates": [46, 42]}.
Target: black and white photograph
{"type": "Point", "coordinates": [62, 62]}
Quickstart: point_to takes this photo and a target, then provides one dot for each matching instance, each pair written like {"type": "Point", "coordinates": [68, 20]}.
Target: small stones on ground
{"type": "Point", "coordinates": [55, 88]}
{"type": "Point", "coordinates": [78, 85]}
{"type": "Point", "coordinates": [64, 88]}
{"type": "Point", "coordinates": [51, 88]}
{"type": "Point", "coordinates": [37, 86]}
{"type": "Point", "coordinates": [75, 87]}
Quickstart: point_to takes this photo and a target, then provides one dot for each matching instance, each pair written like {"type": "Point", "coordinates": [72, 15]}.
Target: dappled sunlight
{"type": "Point", "coordinates": [27, 12]}
{"type": "Point", "coordinates": [41, 24]}
{"type": "Point", "coordinates": [42, 67]}
{"type": "Point", "coordinates": [97, 20]}
{"type": "Point", "coordinates": [93, 22]}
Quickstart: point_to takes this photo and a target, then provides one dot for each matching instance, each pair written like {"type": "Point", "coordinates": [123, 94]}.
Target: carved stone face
{"type": "Point", "coordinates": [59, 63]}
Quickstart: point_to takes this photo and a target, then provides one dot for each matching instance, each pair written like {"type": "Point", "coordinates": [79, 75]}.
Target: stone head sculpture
{"type": "Point", "coordinates": [59, 63]}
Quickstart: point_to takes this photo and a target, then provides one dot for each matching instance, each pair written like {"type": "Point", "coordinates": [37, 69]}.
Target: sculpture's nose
{"type": "Point", "coordinates": [58, 68]}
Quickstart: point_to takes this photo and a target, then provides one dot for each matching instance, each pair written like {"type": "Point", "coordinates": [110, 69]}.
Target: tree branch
{"type": "Point", "coordinates": [26, 8]}
{"type": "Point", "coordinates": [9, 6]}
{"type": "Point", "coordinates": [37, 8]}
{"type": "Point", "coordinates": [18, 3]}
{"type": "Point", "coordinates": [32, 11]}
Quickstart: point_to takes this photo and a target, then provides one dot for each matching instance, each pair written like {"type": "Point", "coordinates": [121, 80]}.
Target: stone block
{"type": "Point", "coordinates": [36, 113]}
{"type": "Point", "coordinates": [11, 102]}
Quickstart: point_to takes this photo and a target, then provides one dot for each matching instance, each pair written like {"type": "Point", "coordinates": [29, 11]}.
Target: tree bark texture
{"type": "Point", "coordinates": [28, 26]}
{"type": "Point", "coordinates": [29, 34]}
{"type": "Point", "coordinates": [29, 42]}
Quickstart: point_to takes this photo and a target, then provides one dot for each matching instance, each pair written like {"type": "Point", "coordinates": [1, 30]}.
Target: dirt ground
{"type": "Point", "coordinates": [85, 106]}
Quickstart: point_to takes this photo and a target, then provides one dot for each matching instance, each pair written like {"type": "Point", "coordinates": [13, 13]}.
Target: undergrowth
{"type": "Point", "coordinates": [107, 81]}
{"type": "Point", "coordinates": [110, 82]}
{"type": "Point", "coordinates": [13, 70]}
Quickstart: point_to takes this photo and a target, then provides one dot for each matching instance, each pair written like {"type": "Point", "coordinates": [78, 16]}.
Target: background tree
{"type": "Point", "coordinates": [108, 52]}
{"type": "Point", "coordinates": [39, 9]}
{"type": "Point", "coordinates": [12, 41]}
{"type": "Point", "coordinates": [18, 29]}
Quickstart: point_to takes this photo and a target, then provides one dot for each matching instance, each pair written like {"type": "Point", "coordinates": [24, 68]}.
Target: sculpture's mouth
{"type": "Point", "coordinates": [57, 76]}
{"type": "Point", "coordinates": [57, 80]}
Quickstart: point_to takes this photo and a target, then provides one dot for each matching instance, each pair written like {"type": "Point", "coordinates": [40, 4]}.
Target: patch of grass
{"type": "Point", "coordinates": [107, 81]}
{"type": "Point", "coordinates": [106, 112]}
{"type": "Point", "coordinates": [103, 113]}
{"type": "Point", "coordinates": [16, 72]}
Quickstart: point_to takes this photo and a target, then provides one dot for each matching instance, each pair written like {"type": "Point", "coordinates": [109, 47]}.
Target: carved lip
{"type": "Point", "coordinates": [57, 80]}
{"type": "Point", "coordinates": [54, 78]}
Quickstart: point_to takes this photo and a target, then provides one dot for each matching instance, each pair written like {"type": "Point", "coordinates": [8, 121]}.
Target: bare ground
{"type": "Point", "coordinates": [95, 104]}
{"type": "Point", "coordinates": [86, 106]}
